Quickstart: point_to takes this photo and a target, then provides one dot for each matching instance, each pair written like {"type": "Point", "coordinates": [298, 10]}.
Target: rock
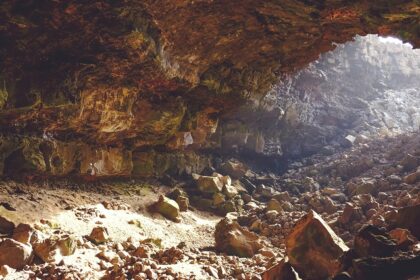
{"type": "Point", "coordinates": [209, 184]}
{"type": "Point", "coordinates": [168, 208]}
{"type": "Point", "coordinates": [6, 270]}
{"type": "Point", "coordinates": [394, 179]}
{"type": "Point", "coordinates": [280, 271]}
{"type": "Point", "coordinates": [227, 207]}
{"type": "Point", "coordinates": [403, 238]}
{"type": "Point", "coordinates": [391, 268]}
{"type": "Point", "coordinates": [266, 192]}
{"type": "Point", "coordinates": [233, 239]}
{"type": "Point", "coordinates": [230, 191]}
{"type": "Point", "coordinates": [412, 178]}
{"type": "Point", "coordinates": [54, 248]}
{"type": "Point", "coordinates": [313, 248]}
{"type": "Point", "coordinates": [218, 198]}
{"type": "Point", "coordinates": [274, 204]}
{"type": "Point", "coordinates": [234, 169]}
{"type": "Point", "coordinates": [410, 162]}
{"type": "Point", "coordinates": [15, 254]}
{"type": "Point", "coordinates": [372, 241]}
{"type": "Point", "coordinates": [349, 140]}
{"type": "Point", "coordinates": [23, 233]}
{"type": "Point", "coordinates": [271, 215]}
{"type": "Point", "coordinates": [6, 226]}
{"type": "Point", "coordinates": [366, 186]}
{"type": "Point", "coordinates": [409, 217]}
{"type": "Point", "coordinates": [99, 235]}
{"type": "Point", "coordinates": [350, 213]}
{"type": "Point", "coordinates": [282, 196]}
{"type": "Point", "coordinates": [183, 203]}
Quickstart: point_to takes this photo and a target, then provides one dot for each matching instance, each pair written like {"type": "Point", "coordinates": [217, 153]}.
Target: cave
{"type": "Point", "coordinates": [209, 139]}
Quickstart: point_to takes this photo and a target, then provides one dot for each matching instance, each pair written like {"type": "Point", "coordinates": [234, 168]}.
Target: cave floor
{"type": "Point", "coordinates": [372, 176]}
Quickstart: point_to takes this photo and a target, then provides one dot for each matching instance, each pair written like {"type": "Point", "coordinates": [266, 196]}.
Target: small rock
{"type": "Point", "coordinates": [99, 235]}
{"type": "Point", "coordinates": [233, 239]}
{"type": "Point", "coordinates": [274, 204]}
{"type": "Point", "coordinates": [183, 202]}
{"type": "Point", "coordinates": [168, 208]}
{"type": "Point", "coordinates": [6, 270]}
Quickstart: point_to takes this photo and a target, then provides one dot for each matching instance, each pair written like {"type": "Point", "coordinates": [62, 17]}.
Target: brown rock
{"type": "Point", "coordinates": [313, 248]}
{"type": "Point", "coordinates": [280, 271]}
{"type": "Point", "coordinates": [412, 178]}
{"type": "Point", "coordinates": [409, 217]}
{"type": "Point", "coordinates": [234, 169]}
{"type": "Point", "coordinates": [372, 241]}
{"type": "Point", "coordinates": [99, 235]}
{"type": "Point", "coordinates": [233, 239]}
{"type": "Point", "coordinates": [15, 254]}
{"type": "Point", "coordinates": [403, 237]}
{"type": "Point", "coordinates": [54, 248]}
{"type": "Point", "coordinates": [209, 184]}
{"type": "Point", "coordinates": [23, 233]}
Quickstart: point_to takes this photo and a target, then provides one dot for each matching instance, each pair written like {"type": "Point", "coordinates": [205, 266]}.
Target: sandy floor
{"type": "Point", "coordinates": [78, 210]}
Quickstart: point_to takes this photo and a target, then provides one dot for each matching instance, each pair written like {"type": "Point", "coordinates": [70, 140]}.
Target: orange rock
{"type": "Point", "coordinates": [313, 248]}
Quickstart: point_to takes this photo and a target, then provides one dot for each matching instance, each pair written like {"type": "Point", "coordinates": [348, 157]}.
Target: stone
{"type": "Point", "coordinates": [99, 235]}
{"type": "Point", "coordinates": [313, 248]}
{"type": "Point", "coordinates": [410, 162]}
{"type": "Point", "coordinates": [372, 241]}
{"type": "Point", "coordinates": [282, 196]}
{"type": "Point", "coordinates": [168, 208]}
{"type": "Point", "coordinates": [234, 169]}
{"type": "Point", "coordinates": [408, 218]}
{"type": "Point", "coordinates": [7, 221]}
{"type": "Point", "coordinates": [233, 239]}
{"type": "Point", "coordinates": [52, 249]}
{"type": "Point", "coordinates": [366, 186]}
{"type": "Point", "coordinates": [350, 139]}
{"type": "Point", "coordinates": [350, 213]}
{"type": "Point", "coordinates": [230, 191]}
{"type": "Point", "coordinates": [209, 184]}
{"type": "Point", "coordinates": [6, 270]}
{"type": "Point", "coordinates": [15, 254]}
{"type": "Point", "coordinates": [24, 233]}
{"type": "Point", "coordinates": [281, 271]}
{"type": "Point", "coordinates": [412, 178]}
{"type": "Point", "coordinates": [274, 204]}
{"type": "Point", "coordinates": [183, 203]}
{"type": "Point", "coordinates": [218, 198]}
{"type": "Point", "coordinates": [403, 237]}
{"type": "Point", "coordinates": [398, 267]}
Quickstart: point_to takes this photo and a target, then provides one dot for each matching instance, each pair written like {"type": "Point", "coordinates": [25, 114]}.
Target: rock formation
{"type": "Point", "coordinates": [123, 88]}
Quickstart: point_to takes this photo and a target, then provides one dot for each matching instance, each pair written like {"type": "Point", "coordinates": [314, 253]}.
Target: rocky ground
{"type": "Point", "coordinates": [349, 213]}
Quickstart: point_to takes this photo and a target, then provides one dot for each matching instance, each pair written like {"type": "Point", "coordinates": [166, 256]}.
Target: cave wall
{"type": "Point", "coordinates": [103, 82]}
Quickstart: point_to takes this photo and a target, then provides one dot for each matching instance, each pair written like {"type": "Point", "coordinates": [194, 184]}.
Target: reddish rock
{"type": "Point", "coordinates": [313, 248]}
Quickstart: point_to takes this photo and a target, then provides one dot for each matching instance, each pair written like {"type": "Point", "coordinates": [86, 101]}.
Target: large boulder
{"type": "Point", "coordinates": [233, 239]}
{"type": "Point", "coordinates": [313, 248]}
{"type": "Point", "coordinates": [15, 254]}
{"type": "Point", "coordinates": [168, 208]}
